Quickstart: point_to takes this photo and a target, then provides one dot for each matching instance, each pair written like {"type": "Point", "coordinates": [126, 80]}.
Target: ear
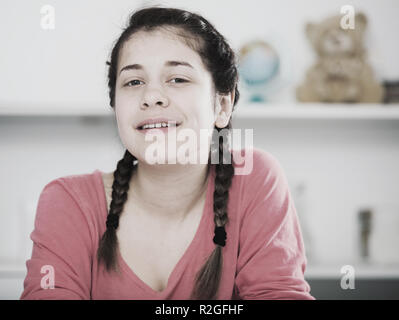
{"type": "Point", "coordinates": [224, 109]}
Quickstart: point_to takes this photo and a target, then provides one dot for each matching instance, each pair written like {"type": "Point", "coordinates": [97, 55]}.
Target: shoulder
{"type": "Point", "coordinates": [255, 164]}
{"type": "Point", "coordinates": [81, 186]}
{"type": "Point", "coordinates": [79, 193]}
{"type": "Point", "coordinates": [263, 182]}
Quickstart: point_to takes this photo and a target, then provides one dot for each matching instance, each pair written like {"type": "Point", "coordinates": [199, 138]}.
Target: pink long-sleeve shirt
{"type": "Point", "coordinates": [264, 256]}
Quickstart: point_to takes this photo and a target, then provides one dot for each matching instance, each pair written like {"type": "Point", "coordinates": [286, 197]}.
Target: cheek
{"type": "Point", "coordinates": [121, 98]}
{"type": "Point", "coordinates": [124, 117]}
{"type": "Point", "coordinates": [121, 113]}
{"type": "Point", "coordinates": [123, 127]}
{"type": "Point", "coordinates": [199, 116]}
{"type": "Point", "coordinates": [129, 136]}
{"type": "Point", "coordinates": [124, 109]}
{"type": "Point", "coordinates": [199, 109]}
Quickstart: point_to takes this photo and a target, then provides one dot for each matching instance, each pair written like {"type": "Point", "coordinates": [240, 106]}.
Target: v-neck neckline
{"type": "Point", "coordinates": [190, 249]}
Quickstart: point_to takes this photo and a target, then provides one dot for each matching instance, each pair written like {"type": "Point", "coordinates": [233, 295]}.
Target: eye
{"type": "Point", "coordinates": [182, 80]}
{"type": "Point", "coordinates": [128, 83]}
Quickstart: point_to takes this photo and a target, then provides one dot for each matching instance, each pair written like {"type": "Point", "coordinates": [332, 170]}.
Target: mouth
{"type": "Point", "coordinates": [165, 127]}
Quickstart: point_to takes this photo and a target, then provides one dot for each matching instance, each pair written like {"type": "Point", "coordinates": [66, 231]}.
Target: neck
{"type": "Point", "coordinates": [169, 191]}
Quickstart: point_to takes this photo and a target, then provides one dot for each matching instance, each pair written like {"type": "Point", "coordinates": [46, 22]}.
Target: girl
{"type": "Point", "coordinates": [170, 231]}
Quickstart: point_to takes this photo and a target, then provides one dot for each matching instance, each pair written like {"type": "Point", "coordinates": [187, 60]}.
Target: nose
{"type": "Point", "coordinates": [154, 97]}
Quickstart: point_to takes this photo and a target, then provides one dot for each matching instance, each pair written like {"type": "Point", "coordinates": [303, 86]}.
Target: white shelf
{"type": "Point", "coordinates": [293, 110]}
{"type": "Point", "coordinates": [318, 111]}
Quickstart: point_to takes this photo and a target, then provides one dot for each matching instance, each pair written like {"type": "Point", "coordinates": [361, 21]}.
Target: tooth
{"type": "Point", "coordinates": [159, 125]}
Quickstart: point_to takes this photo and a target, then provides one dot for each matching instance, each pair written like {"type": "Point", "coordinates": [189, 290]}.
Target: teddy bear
{"type": "Point", "coordinates": [341, 73]}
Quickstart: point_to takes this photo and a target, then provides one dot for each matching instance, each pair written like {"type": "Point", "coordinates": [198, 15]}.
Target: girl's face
{"type": "Point", "coordinates": [158, 75]}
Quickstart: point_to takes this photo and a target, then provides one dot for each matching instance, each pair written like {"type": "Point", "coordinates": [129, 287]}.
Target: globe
{"type": "Point", "coordinates": [258, 66]}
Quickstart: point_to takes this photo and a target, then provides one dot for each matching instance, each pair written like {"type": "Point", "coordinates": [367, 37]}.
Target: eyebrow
{"type": "Point", "coordinates": [167, 64]}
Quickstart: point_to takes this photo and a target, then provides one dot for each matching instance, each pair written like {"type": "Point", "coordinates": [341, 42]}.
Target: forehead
{"type": "Point", "coordinates": [153, 48]}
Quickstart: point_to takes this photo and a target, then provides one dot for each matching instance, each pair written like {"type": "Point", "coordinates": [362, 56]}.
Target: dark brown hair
{"type": "Point", "coordinates": [220, 60]}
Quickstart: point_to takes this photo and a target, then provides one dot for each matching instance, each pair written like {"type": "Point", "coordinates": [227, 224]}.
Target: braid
{"type": "Point", "coordinates": [120, 186]}
{"type": "Point", "coordinates": [224, 174]}
{"type": "Point", "coordinates": [208, 278]}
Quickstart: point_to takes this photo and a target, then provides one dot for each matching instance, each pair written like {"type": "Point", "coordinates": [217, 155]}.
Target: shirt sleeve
{"type": "Point", "coordinates": [271, 262]}
{"type": "Point", "coordinates": [60, 265]}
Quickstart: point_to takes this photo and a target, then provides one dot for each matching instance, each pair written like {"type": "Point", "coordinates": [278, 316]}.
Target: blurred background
{"type": "Point", "coordinates": [320, 90]}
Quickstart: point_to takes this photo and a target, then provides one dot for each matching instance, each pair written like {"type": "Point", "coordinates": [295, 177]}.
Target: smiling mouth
{"type": "Point", "coordinates": [163, 128]}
